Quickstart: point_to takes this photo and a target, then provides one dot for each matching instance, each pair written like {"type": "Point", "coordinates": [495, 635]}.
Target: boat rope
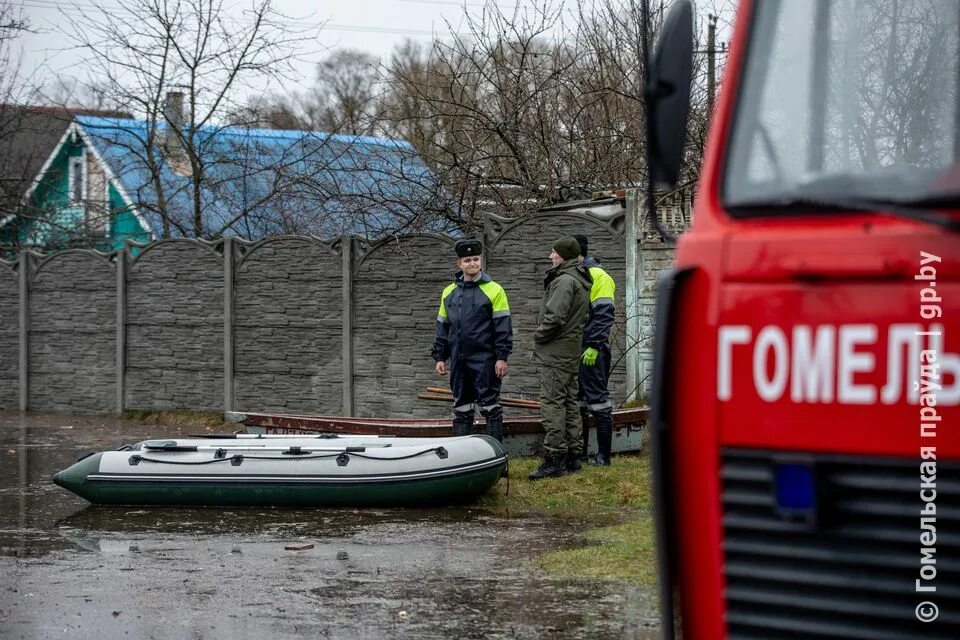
{"type": "Point", "coordinates": [239, 458]}
{"type": "Point", "coordinates": [138, 458]}
{"type": "Point", "coordinates": [441, 452]}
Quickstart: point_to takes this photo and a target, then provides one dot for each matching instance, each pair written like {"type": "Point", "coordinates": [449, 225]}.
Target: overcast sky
{"type": "Point", "coordinates": [375, 26]}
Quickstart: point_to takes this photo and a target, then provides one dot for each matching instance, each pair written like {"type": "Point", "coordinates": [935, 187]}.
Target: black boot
{"type": "Point", "coordinates": [554, 465]}
{"type": "Point", "coordinates": [495, 425]}
{"type": "Point", "coordinates": [462, 424]}
{"type": "Point", "coordinates": [601, 460]}
{"type": "Point", "coordinates": [573, 463]}
{"type": "Point", "coordinates": [585, 419]}
{"type": "Point", "coordinates": [604, 438]}
{"type": "Point", "coordinates": [495, 430]}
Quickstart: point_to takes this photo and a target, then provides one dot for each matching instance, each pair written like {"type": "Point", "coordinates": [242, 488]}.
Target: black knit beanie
{"type": "Point", "coordinates": [582, 240]}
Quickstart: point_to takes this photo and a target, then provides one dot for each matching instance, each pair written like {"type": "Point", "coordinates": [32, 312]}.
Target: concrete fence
{"type": "Point", "coordinates": [291, 324]}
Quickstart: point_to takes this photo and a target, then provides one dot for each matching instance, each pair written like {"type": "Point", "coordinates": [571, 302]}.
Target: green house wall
{"type": "Point", "coordinates": [51, 200]}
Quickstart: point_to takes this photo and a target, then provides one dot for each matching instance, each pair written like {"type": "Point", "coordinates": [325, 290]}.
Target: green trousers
{"type": "Point", "coordinates": [560, 410]}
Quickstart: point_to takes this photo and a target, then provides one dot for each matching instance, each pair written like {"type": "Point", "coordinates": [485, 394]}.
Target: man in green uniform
{"type": "Point", "coordinates": [563, 312]}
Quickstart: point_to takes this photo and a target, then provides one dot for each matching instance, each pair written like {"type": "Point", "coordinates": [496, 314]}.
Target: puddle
{"type": "Point", "coordinates": [71, 570]}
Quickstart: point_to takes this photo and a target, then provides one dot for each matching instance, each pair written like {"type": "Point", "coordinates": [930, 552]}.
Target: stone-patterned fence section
{"type": "Point", "coordinates": [289, 324]}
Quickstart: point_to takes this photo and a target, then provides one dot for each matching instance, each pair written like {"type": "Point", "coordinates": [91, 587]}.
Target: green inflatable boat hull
{"type": "Point", "coordinates": [287, 472]}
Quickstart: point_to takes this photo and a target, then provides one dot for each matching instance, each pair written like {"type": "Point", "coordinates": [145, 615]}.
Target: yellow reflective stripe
{"type": "Point", "coordinates": [498, 297]}
{"type": "Point", "coordinates": [603, 284]}
{"type": "Point", "coordinates": [443, 309]}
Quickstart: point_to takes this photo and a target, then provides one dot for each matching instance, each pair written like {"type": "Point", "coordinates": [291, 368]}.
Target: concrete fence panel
{"type": "Point", "coordinates": [174, 345]}
{"type": "Point", "coordinates": [72, 332]}
{"type": "Point", "coordinates": [9, 336]}
{"type": "Point", "coordinates": [288, 326]}
{"type": "Point", "coordinates": [396, 296]}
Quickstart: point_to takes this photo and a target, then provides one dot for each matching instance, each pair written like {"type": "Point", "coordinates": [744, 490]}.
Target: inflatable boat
{"type": "Point", "coordinates": [289, 471]}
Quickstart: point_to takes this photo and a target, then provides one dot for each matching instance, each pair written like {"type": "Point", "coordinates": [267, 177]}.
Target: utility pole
{"type": "Point", "coordinates": [711, 61]}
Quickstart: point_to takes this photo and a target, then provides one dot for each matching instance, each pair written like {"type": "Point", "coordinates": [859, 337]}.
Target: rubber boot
{"type": "Point", "coordinates": [495, 430]}
{"type": "Point", "coordinates": [554, 465]}
{"type": "Point", "coordinates": [573, 463]}
{"type": "Point", "coordinates": [585, 419]}
{"type": "Point", "coordinates": [462, 424]}
{"type": "Point", "coordinates": [604, 438]}
{"type": "Point", "coordinates": [495, 425]}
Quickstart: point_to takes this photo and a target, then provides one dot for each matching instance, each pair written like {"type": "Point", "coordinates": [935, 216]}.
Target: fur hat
{"type": "Point", "coordinates": [466, 248]}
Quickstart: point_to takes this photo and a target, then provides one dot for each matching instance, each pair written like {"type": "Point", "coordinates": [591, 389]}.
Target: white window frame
{"type": "Point", "coordinates": [71, 177]}
{"type": "Point", "coordinates": [106, 204]}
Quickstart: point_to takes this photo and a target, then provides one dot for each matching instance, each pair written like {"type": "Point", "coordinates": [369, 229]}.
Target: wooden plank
{"type": "Point", "coordinates": [416, 427]}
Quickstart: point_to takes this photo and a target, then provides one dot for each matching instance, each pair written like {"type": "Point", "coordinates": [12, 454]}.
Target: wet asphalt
{"type": "Point", "coordinates": [71, 570]}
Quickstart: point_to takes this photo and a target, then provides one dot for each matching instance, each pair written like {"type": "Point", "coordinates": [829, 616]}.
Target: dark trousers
{"type": "Point", "coordinates": [475, 385]}
{"type": "Point", "coordinates": [594, 394]}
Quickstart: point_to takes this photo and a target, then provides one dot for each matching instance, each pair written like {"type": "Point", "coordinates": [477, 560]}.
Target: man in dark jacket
{"type": "Point", "coordinates": [474, 331]}
{"type": "Point", "coordinates": [595, 360]}
{"type": "Point", "coordinates": [563, 312]}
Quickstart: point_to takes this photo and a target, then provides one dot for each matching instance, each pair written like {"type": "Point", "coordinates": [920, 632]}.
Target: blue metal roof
{"type": "Point", "coordinates": [283, 181]}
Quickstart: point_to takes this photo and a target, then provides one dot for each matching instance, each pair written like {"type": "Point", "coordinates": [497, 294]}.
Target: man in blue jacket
{"type": "Point", "coordinates": [595, 360]}
{"type": "Point", "coordinates": [475, 333]}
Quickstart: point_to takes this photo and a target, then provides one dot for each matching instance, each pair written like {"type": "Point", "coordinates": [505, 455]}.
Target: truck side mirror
{"type": "Point", "coordinates": [669, 72]}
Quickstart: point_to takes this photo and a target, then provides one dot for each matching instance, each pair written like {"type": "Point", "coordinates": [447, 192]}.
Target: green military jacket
{"type": "Point", "coordinates": [563, 313]}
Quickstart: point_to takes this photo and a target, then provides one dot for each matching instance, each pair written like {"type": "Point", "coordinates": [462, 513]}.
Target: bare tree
{"type": "Point", "coordinates": [181, 65]}
{"type": "Point", "coordinates": [479, 108]}
{"type": "Point", "coordinates": [12, 22]}
{"type": "Point", "coordinates": [524, 109]}
{"type": "Point", "coordinates": [19, 150]}
{"type": "Point", "coordinates": [71, 92]}
{"type": "Point", "coordinates": [344, 99]}
{"type": "Point", "coordinates": [345, 96]}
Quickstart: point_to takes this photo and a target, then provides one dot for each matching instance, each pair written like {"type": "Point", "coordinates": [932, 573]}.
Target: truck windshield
{"type": "Point", "coordinates": [847, 100]}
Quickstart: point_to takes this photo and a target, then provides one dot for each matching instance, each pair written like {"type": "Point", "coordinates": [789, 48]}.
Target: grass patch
{"type": "Point", "coordinates": [639, 401]}
{"type": "Point", "coordinates": [622, 492]}
{"type": "Point", "coordinates": [620, 552]}
{"type": "Point", "coordinates": [210, 420]}
{"type": "Point", "coordinates": [623, 486]}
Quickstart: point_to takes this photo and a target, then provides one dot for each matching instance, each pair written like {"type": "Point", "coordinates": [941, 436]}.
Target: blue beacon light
{"type": "Point", "coordinates": [795, 489]}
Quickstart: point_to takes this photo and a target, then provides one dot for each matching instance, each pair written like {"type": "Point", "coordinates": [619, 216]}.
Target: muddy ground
{"type": "Point", "coordinates": [69, 570]}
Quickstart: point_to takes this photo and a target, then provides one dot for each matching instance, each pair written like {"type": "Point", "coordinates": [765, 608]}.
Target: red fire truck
{"type": "Point", "coordinates": [806, 424]}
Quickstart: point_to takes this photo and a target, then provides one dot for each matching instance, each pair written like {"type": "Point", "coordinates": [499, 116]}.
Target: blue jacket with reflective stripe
{"type": "Point", "coordinates": [596, 333]}
{"type": "Point", "coordinates": [474, 319]}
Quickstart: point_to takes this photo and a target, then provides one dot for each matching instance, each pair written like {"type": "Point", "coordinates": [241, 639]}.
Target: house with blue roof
{"type": "Point", "coordinates": [110, 180]}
